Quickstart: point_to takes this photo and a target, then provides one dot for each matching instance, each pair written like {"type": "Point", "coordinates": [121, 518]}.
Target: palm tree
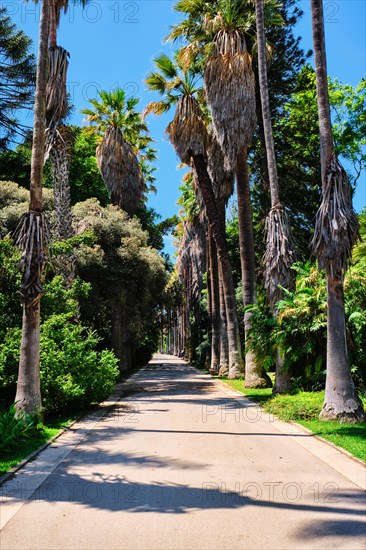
{"type": "Point", "coordinates": [57, 101]}
{"type": "Point", "coordinates": [123, 135]}
{"type": "Point", "coordinates": [218, 34]}
{"type": "Point", "coordinates": [223, 185]}
{"type": "Point", "coordinates": [280, 254]}
{"type": "Point", "coordinates": [189, 136]}
{"type": "Point", "coordinates": [336, 231]}
{"type": "Point", "coordinates": [31, 236]}
{"type": "Point", "coordinates": [59, 136]}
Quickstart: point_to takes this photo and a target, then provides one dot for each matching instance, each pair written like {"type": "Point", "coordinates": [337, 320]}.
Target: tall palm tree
{"type": "Point", "coordinates": [280, 253]}
{"type": "Point", "coordinates": [223, 185]}
{"type": "Point", "coordinates": [218, 34]}
{"type": "Point", "coordinates": [189, 136]}
{"type": "Point", "coordinates": [59, 136]}
{"type": "Point", "coordinates": [336, 231]}
{"type": "Point", "coordinates": [31, 236]}
{"type": "Point", "coordinates": [123, 137]}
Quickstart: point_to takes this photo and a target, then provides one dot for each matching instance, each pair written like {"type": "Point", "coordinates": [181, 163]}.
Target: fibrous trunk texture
{"type": "Point", "coordinates": [59, 157]}
{"type": "Point", "coordinates": [230, 88]}
{"type": "Point", "coordinates": [341, 402]}
{"type": "Point", "coordinates": [57, 103]}
{"type": "Point", "coordinates": [120, 171]}
{"type": "Point", "coordinates": [218, 231]}
{"type": "Point", "coordinates": [28, 395]}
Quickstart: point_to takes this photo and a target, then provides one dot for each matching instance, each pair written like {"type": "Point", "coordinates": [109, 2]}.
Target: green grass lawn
{"type": "Point", "coordinates": [40, 436]}
{"type": "Point", "coordinates": [304, 408]}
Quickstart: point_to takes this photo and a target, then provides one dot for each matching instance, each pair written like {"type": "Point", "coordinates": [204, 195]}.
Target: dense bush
{"type": "Point", "coordinates": [14, 431]}
{"type": "Point", "coordinates": [301, 327]}
{"type": "Point", "coordinates": [73, 373]}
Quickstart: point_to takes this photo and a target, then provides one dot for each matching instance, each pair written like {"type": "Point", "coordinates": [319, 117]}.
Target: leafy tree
{"type": "Point", "coordinates": [127, 278]}
{"type": "Point", "coordinates": [17, 79]}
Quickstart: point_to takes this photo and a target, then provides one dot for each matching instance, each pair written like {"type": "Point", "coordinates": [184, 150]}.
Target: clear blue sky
{"type": "Point", "coordinates": [112, 42]}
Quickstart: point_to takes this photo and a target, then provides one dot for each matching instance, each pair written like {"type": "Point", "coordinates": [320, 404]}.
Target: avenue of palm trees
{"type": "Point", "coordinates": [217, 89]}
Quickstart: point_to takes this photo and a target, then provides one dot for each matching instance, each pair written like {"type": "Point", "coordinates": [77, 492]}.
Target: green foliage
{"type": "Point", "coordinates": [73, 373]}
{"type": "Point", "coordinates": [122, 269]}
{"type": "Point", "coordinates": [14, 431]}
{"type": "Point", "coordinates": [359, 251]}
{"type": "Point", "coordinates": [348, 107]}
{"type": "Point", "coordinates": [300, 330]}
{"type": "Point", "coordinates": [10, 277]}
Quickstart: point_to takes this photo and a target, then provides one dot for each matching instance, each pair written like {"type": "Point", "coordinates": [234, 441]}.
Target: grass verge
{"type": "Point", "coordinates": [40, 435]}
{"type": "Point", "coordinates": [304, 408]}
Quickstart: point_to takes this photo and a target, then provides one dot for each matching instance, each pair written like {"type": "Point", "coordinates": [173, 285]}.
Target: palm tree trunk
{"type": "Point", "coordinates": [218, 231]}
{"type": "Point", "coordinates": [59, 157]}
{"type": "Point", "coordinates": [224, 350]}
{"type": "Point", "coordinates": [282, 379]}
{"type": "Point", "coordinates": [28, 394]}
{"type": "Point", "coordinates": [340, 402]}
{"type": "Point", "coordinates": [255, 376]}
{"type": "Point", "coordinates": [53, 24]}
{"type": "Point", "coordinates": [215, 305]}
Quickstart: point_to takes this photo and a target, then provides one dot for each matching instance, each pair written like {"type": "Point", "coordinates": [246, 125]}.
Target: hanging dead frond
{"type": "Point", "coordinates": [187, 131]}
{"type": "Point", "coordinates": [279, 255]}
{"type": "Point", "coordinates": [56, 91]}
{"type": "Point", "coordinates": [120, 170]}
{"type": "Point", "coordinates": [336, 225]}
{"type": "Point", "coordinates": [230, 87]}
{"type": "Point", "coordinates": [32, 237]}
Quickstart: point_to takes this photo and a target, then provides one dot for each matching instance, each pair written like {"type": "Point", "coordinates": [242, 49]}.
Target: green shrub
{"type": "Point", "coordinates": [14, 431]}
{"type": "Point", "coordinates": [73, 373]}
{"type": "Point", "coordinates": [300, 329]}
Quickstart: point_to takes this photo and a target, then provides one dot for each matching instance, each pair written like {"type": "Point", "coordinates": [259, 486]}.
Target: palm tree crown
{"type": "Point", "coordinates": [123, 138]}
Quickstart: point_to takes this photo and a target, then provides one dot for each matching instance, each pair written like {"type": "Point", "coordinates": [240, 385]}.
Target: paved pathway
{"type": "Point", "coordinates": [180, 463]}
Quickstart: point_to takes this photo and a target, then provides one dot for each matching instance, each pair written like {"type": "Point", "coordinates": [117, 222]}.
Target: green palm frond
{"type": "Point", "coordinates": [166, 66]}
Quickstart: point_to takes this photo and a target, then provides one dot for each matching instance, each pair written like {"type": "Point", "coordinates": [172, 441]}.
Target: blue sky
{"type": "Point", "coordinates": [113, 42]}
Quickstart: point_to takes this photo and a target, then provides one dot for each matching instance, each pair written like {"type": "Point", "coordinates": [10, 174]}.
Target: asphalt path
{"type": "Point", "coordinates": [175, 461]}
